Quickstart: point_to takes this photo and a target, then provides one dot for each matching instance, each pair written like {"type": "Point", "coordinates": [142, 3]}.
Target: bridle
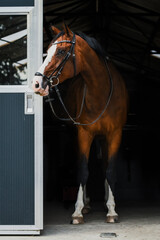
{"type": "Point", "coordinates": [59, 69]}
{"type": "Point", "coordinates": [50, 79]}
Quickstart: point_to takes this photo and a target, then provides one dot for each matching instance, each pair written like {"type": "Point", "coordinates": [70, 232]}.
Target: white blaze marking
{"type": "Point", "coordinates": [79, 204]}
{"type": "Point", "coordinates": [50, 54]}
{"type": "Point", "coordinates": [110, 202]}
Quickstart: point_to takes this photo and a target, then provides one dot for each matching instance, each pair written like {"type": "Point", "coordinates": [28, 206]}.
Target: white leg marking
{"type": "Point", "coordinates": [50, 54]}
{"type": "Point", "coordinates": [79, 203]}
{"type": "Point", "coordinates": [110, 202]}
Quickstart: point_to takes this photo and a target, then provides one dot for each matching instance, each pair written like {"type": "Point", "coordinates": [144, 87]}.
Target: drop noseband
{"type": "Point", "coordinates": [50, 79]}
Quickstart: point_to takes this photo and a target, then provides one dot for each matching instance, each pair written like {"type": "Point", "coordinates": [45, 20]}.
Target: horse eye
{"type": "Point", "coordinates": [60, 52]}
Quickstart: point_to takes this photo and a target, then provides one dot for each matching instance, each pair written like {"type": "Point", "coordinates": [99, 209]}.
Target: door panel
{"type": "Point", "coordinates": [16, 161]}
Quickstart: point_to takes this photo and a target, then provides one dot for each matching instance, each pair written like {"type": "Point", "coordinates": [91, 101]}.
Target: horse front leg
{"type": "Point", "coordinates": [113, 146]}
{"type": "Point", "coordinates": [112, 216]}
{"type": "Point", "coordinates": [84, 141]}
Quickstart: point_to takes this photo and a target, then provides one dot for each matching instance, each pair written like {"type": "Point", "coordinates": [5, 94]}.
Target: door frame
{"type": "Point", "coordinates": [34, 60]}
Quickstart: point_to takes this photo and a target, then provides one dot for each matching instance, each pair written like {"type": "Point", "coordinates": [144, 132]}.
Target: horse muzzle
{"type": "Point", "coordinates": [39, 86]}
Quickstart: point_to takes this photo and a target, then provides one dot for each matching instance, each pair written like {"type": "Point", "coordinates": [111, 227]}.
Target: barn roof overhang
{"type": "Point", "coordinates": [129, 31]}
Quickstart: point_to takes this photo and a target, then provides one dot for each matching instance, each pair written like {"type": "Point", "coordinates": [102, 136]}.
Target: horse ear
{"type": "Point", "coordinates": [67, 30]}
{"type": "Point", "coordinates": [55, 30]}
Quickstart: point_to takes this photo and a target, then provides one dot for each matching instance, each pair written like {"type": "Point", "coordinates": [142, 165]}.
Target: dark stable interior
{"type": "Point", "coordinates": [129, 34]}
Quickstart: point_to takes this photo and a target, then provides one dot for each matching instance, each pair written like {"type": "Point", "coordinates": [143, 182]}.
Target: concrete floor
{"type": "Point", "coordinates": [137, 222]}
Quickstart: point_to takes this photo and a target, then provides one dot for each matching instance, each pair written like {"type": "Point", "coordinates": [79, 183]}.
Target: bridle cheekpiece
{"type": "Point", "coordinates": [50, 79]}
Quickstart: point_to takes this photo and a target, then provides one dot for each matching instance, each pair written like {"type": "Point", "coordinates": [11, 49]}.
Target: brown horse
{"type": "Point", "coordinates": [101, 104]}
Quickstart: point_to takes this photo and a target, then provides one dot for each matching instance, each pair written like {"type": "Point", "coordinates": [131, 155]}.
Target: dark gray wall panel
{"type": "Point", "coordinates": [16, 161]}
{"type": "Point", "coordinates": [20, 3]}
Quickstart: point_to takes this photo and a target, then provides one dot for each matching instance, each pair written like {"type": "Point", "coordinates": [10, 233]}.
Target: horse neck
{"type": "Point", "coordinates": [96, 78]}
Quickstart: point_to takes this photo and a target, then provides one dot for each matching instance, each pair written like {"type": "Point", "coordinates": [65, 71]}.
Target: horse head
{"type": "Point", "coordinates": [62, 61]}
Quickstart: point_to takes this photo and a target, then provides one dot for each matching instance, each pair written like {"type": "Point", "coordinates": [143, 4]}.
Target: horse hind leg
{"type": "Point", "coordinates": [87, 208]}
{"type": "Point", "coordinates": [113, 146]}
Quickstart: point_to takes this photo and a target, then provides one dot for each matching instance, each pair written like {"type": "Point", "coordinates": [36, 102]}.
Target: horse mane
{"type": "Point", "coordinates": [94, 44]}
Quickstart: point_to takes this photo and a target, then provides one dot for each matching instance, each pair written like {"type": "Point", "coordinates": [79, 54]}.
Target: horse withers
{"type": "Point", "coordinates": [99, 104]}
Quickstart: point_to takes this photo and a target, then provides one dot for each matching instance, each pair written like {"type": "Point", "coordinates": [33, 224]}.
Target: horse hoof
{"type": "Point", "coordinates": [77, 220]}
{"type": "Point", "coordinates": [112, 219]}
{"type": "Point", "coordinates": [86, 210]}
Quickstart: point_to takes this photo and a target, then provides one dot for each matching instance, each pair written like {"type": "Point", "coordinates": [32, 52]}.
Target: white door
{"type": "Point", "coordinates": [21, 148]}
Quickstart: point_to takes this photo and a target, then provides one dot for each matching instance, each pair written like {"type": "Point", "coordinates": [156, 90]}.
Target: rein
{"type": "Point", "coordinates": [64, 107]}
{"type": "Point", "coordinates": [84, 93]}
{"type": "Point", "coordinates": [59, 70]}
